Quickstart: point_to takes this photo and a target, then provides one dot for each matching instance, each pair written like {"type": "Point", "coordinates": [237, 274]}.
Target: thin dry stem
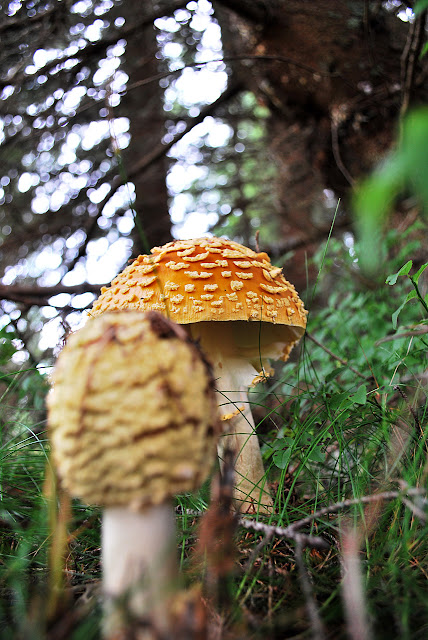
{"type": "Point", "coordinates": [291, 532]}
{"type": "Point", "coordinates": [317, 627]}
{"type": "Point", "coordinates": [358, 626]}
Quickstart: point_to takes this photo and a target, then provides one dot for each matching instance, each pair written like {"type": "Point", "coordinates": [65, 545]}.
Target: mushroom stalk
{"type": "Point", "coordinates": [251, 491]}
{"type": "Point", "coordinates": [234, 373]}
{"type": "Point", "coordinates": [133, 422]}
{"type": "Point", "coordinates": [139, 566]}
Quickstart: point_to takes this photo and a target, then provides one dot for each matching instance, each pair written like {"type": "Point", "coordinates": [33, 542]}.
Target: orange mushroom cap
{"type": "Point", "coordinates": [205, 280]}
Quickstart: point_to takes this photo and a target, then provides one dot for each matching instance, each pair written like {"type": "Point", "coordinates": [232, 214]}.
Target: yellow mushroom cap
{"type": "Point", "coordinates": [131, 413]}
{"type": "Point", "coordinates": [210, 279]}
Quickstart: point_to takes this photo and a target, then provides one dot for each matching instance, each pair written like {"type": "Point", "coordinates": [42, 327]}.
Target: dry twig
{"type": "Point", "coordinates": [317, 542]}
{"type": "Point", "coordinates": [358, 627]}
{"type": "Point", "coordinates": [283, 532]}
{"type": "Point", "coordinates": [409, 59]}
{"type": "Point", "coordinates": [317, 626]}
{"type": "Point", "coordinates": [419, 331]}
{"type": "Point", "coordinates": [338, 506]}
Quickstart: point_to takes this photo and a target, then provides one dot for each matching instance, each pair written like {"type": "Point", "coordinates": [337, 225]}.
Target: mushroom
{"type": "Point", "coordinates": [133, 421]}
{"type": "Point", "coordinates": [241, 309]}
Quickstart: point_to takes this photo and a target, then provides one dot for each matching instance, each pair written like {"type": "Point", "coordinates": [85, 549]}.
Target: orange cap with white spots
{"type": "Point", "coordinates": [206, 279]}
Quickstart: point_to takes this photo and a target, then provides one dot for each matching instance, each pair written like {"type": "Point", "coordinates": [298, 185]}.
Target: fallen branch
{"type": "Point", "coordinates": [270, 530]}
{"type": "Point", "coordinates": [420, 331]}
{"type": "Point", "coordinates": [292, 532]}
{"type": "Point", "coordinates": [338, 506]}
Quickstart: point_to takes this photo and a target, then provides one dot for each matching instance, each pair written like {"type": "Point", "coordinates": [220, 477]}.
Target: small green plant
{"type": "Point", "coordinates": [415, 294]}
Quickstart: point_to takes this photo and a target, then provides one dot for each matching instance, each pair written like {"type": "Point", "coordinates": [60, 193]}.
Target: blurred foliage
{"type": "Point", "coordinates": [348, 422]}
{"type": "Point", "coordinates": [349, 418]}
{"type": "Point", "coordinates": [420, 5]}
{"type": "Point", "coordinates": [404, 169]}
{"type": "Point", "coordinates": [367, 358]}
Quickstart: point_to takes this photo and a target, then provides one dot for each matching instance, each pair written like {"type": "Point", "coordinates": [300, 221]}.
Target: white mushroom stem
{"type": "Point", "coordinates": [234, 371]}
{"type": "Point", "coordinates": [140, 568]}
{"type": "Point", "coordinates": [251, 491]}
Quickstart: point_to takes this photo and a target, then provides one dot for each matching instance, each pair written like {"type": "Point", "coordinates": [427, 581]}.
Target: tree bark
{"type": "Point", "coordinates": [335, 76]}
{"type": "Point", "coordinates": [143, 107]}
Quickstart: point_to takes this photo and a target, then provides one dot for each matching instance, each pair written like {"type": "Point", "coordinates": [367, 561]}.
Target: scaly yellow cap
{"type": "Point", "coordinates": [132, 412]}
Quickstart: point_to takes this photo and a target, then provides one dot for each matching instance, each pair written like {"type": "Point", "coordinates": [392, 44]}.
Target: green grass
{"type": "Point", "coordinates": [329, 435]}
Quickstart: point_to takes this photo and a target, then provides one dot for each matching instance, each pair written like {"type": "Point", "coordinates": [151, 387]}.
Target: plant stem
{"type": "Point", "coordinates": [418, 293]}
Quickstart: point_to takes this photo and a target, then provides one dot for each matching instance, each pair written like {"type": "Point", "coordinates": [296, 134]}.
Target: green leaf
{"type": "Point", "coordinates": [372, 203]}
{"type": "Point", "coordinates": [316, 455]}
{"type": "Point", "coordinates": [424, 51]}
{"type": "Point", "coordinates": [282, 458]}
{"type": "Point", "coordinates": [333, 374]}
{"type": "Point", "coordinates": [411, 295]}
{"type": "Point", "coordinates": [417, 275]}
{"type": "Point", "coordinates": [7, 348]}
{"type": "Point", "coordinates": [392, 279]}
{"type": "Point", "coordinates": [420, 6]}
{"type": "Point", "coordinates": [340, 400]}
{"type": "Point", "coordinates": [414, 152]}
{"type": "Point", "coordinates": [406, 167]}
{"type": "Point", "coordinates": [395, 315]}
{"type": "Point", "coordinates": [283, 443]}
{"type": "Point", "coordinates": [360, 397]}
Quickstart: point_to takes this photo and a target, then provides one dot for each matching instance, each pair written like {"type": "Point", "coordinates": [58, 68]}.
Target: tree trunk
{"type": "Point", "coordinates": [143, 106]}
